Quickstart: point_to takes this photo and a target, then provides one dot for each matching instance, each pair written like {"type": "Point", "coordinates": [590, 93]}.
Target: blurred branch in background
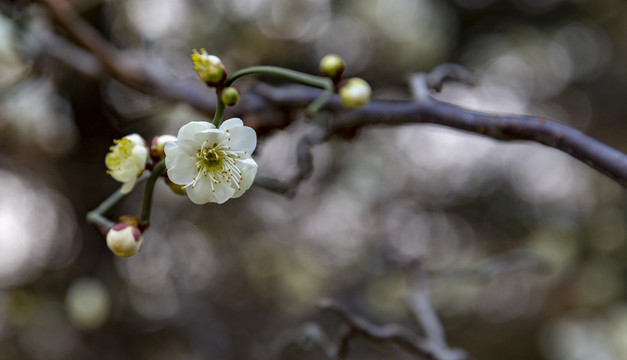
{"type": "Point", "coordinates": [419, 301]}
{"type": "Point", "coordinates": [393, 333]}
{"type": "Point", "coordinates": [137, 74]}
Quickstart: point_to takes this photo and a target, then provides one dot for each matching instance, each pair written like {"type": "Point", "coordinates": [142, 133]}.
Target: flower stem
{"type": "Point", "coordinates": [96, 216]}
{"type": "Point", "coordinates": [297, 76]}
{"type": "Point", "coordinates": [319, 102]}
{"type": "Point", "coordinates": [150, 185]}
{"type": "Point", "coordinates": [217, 118]}
{"type": "Point", "coordinates": [305, 79]}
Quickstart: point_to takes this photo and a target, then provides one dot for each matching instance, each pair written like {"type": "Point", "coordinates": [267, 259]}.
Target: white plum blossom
{"type": "Point", "coordinates": [124, 239]}
{"type": "Point", "coordinates": [212, 164]}
{"type": "Point", "coordinates": [126, 160]}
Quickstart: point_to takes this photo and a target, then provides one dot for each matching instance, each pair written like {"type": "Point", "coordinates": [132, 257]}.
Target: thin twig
{"type": "Point", "coordinates": [96, 216]}
{"type": "Point", "coordinates": [419, 300]}
{"type": "Point", "coordinates": [450, 72]}
{"type": "Point", "coordinates": [304, 162]}
{"type": "Point", "coordinates": [150, 185]}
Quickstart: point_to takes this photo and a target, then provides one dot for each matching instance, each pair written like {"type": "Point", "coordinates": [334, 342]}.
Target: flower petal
{"type": "Point", "coordinates": [188, 130]}
{"type": "Point", "coordinates": [137, 139]}
{"type": "Point", "coordinates": [128, 186]}
{"type": "Point", "coordinates": [231, 123]}
{"type": "Point", "coordinates": [200, 193]}
{"type": "Point", "coordinates": [181, 167]}
{"type": "Point", "coordinates": [223, 192]}
{"type": "Point", "coordinates": [203, 193]}
{"type": "Point", "coordinates": [183, 171]}
{"type": "Point", "coordinates": [125, 173]}
{"type": "Point", "coordinates": [242, 138]}
{"type": "Point", "coordinates": [140, 156]}
{"type": "Point", "coordinates": [248, 167]}
{"type": "Point", "coordinates": [211, 136]}
{"type": "Point", "coordinates": [172, 151]}
{"type": "Point", "coordinates": [187, 133]}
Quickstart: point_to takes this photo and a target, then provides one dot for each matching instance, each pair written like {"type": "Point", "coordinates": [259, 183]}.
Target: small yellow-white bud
{"type": "Point", "coordinates": [355, 92]}
{"type": "Point", "coordinates": [332, 66]}
{"type": "Point", "coordinates": [209, 67]}
{"type": "Point", "coordinates": [229, 96]}
{"type": "Point", "coordinates": [157, 144]}
{"type": "Point", "coordinates": [124, 239]}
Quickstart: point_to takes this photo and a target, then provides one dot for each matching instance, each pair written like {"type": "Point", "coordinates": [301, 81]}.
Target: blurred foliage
{"type": "Point", "coordinates": [228, 281]}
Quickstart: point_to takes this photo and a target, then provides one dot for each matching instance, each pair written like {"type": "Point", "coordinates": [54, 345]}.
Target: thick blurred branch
{"type": "Point", "coordinates": [423, 109]}
{"type": "Point", "coordinates": [392, 333]}
{"type": "Point", "coordinates": [592, 152]}
{"type": "Point", "coordinates": [133, 72]}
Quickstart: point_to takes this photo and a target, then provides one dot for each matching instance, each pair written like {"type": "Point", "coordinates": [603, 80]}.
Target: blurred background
{"type": "Point", "coordinates": [525, 247]}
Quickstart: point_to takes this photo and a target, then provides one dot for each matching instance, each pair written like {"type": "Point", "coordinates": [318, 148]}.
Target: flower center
{"type": "Point", "coordinates": [210, 157]}
{"type": "Point", "coordinates": [218, 163]}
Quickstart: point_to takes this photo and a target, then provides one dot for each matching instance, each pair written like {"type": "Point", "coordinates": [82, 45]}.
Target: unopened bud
{"type": "Point", "coordinates": [157, 144]}
{"type": "Point", "coordinates": [209, 67]}
{"type": "Point", "coordinates": [229, 96]}
{"type": "Point", "coordinates": [332, 66]}
{"type": "Point", "coordinates": [124, 239]}
{"type": "Point", "coordinates": [355, 92]}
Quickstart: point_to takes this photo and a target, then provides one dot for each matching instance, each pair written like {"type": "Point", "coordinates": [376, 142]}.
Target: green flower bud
{"type": "Point", "coordinates": [355, 92]}
{"type": "Point", "coordinates": [229, 96]}
{"type": "Point", "coordinates": [332, 66]}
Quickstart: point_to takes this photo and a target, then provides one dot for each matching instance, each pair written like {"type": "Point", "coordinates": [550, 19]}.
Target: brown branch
{"type": "Point", "coordinates": [139, 74]}
{"type": "Point", "coordinates": [590, 151]}
{"type": "Point", "coordinates": [504, 127]}
{"type": "Point", "coordinates": [392, 333]}
{"type": "Point", "coordinates": [424, 109]}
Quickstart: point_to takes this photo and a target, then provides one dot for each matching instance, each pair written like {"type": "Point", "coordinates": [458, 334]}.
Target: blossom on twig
{"type": "Point", "coordinates": [126, 160]}
{"type": "Point", "coordinates": [212, 164]}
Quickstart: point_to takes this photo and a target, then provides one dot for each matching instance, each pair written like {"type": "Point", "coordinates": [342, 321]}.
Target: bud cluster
{"type": "Point", "coordinates": [354, 92]}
